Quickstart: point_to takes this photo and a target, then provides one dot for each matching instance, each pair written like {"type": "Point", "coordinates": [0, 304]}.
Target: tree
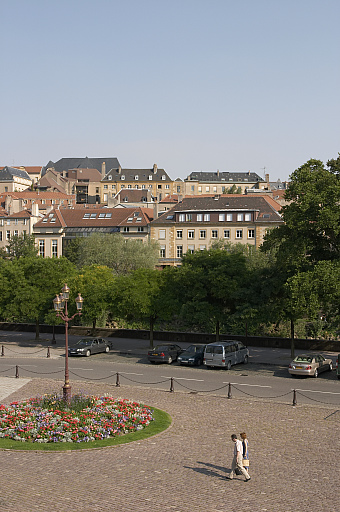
{"type": "Point", "coordinates": [30, 285]}
{"type": "Point", "coordinates": [141, 294]}
{"type": "Point", "coordinates": [20, 246]}
{"type": "Point", "coordinates": [95, 285]}
{"type": "Point", "coordinates": [311, 229]}
{"type": "Point", "coordinates": [114, 251]}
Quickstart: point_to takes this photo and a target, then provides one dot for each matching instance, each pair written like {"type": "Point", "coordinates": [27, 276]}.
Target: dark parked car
{"type": "Point", "coordinates": [88, 346]}
{"type": "Point", "coordinates": [193, 355]}
{"type": "Point", "coordinates": [165, 353]}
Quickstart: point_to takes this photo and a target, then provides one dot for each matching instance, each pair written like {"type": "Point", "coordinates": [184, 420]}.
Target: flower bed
{"type": "Point", "coordinates": [47, 419]}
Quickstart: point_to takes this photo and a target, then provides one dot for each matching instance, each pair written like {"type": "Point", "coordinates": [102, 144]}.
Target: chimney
{"type": "Point", "coordinates": [35, 209]}
{"type": "Point", "coordinates": [119, 170]}
{"type": "Point", "coordinates": [218, 172]}
{"type": "Point", "coordinates": [103, 169]}
{"type": "Point", "coordinates": [267, 178]}
{"type": "Point", "coordinates": [248, 173]}
{"type": "Point", "coordinates": [155, 168]}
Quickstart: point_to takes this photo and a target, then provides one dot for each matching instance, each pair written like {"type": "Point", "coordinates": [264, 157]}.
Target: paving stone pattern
{"type": "Point", "coordinates": [294, 463]}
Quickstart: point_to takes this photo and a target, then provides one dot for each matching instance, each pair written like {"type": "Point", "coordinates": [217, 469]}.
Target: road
{"type": "Point", "coordinates": [248, 381]}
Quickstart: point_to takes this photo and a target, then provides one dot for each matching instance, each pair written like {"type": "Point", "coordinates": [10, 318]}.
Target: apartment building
{"type": "Point", "coordinates": [14, 180]}
{"type": "Point", "coordinates": [196, 222]}
{"type": "Point", "coordinates": [201, 183]}
{"type": "Point", "coordinates": [155, 180]}
{"type": "Point", "coordinates": [60, 226]}
{"type": "Point", "coordinates": [17, 224]}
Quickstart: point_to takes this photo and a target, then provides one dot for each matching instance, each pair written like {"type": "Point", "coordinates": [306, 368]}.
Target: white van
{"type": "Point", "coordinates": [225, 354]}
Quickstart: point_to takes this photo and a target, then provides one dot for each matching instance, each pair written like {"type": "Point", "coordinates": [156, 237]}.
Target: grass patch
{"type": "Point", "coordinates": [162, 420]}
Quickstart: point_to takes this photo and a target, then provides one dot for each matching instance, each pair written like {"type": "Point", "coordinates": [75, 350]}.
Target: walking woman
{"type": "Point", "coordinates": [245, 443]}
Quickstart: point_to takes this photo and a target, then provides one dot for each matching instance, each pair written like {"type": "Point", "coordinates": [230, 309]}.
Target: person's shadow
{"type": "Point", "coordinates": [209, 470]}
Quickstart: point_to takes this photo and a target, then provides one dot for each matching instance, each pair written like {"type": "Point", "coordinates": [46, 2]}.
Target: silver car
{"type": "Point", "coordinates": [225, 354]}
{"type": "Point", "coordinates": [88, 346]}
{"type": "Point", "coordinates": [310, 365]}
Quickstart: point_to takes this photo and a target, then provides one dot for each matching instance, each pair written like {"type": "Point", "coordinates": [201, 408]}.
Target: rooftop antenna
{"type": "Point", "coordinates": [264, 171]}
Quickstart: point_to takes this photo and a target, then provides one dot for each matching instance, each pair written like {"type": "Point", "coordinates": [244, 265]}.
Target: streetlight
{"type": "Point", "coordinates": [60, 302]}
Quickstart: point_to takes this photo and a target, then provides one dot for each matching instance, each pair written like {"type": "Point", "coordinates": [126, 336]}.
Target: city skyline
{"type": "Point", "coordinates": [190, 86]}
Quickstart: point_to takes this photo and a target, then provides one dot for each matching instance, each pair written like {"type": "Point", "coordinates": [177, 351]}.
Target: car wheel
{"type": "Point", "coordinates": [107, 349]}
{"type": "Point", "coordinates": [228, 365]}
{"type": "Point", "coordinates": [245, 359]}
{"type": "Point", "coordinates": [88, 353]}
{"type": "Point", "coordinates": [169, 360]}
{"type": "Point", "coordinates": [316, 373]}
{"type": "Point", "coordinates": [330, 367]}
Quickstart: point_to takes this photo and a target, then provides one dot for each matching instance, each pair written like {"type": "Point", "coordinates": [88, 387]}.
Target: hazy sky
{"type": "Point", "coordinates": [191, 85]}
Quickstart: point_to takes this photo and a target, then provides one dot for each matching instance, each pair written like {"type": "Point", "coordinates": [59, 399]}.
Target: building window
{"type": "Point", "coordinates": [161, 233]}
{"type": "Point", "coordinates": [203, 233]}
{"type": "Point", "coordinates": [203, 247]}
{"type": "Point", "coordinates": [136, 186]}
{"type": "Point", "coordinates": [214, 189]}
{"type": "Point", "coordinates": [42, 248]}
{"type": "Point", "coordinates": [162, 251]}
{"type": "Point", "coordinates": [229, 217]}
{"type": "Point", "coordinates": [214, 233]}
{"type": "Point", "coordinates": [112, 186]}
{"type": "Point", "coordinates": [122, 177]}
{"type": "Point", "coordinates": [206, 217]}
{"type": "Point", "coordinates": [105, 198]}
{"type": "Point", "coordinates": [179, 251]}
{"type": "Point", "coordinates": [199, 189]}
{"type": "Point", "coordinates": [126, 229]}
{"type": "Point", "coordinates": [129, 186]}
{"type": "Point", "coordinates": [221, 217]}
{"type": "Point", "coordinates": [191, 248]}
{"type": "Point", "coordinates": [8, 222]}
{"type": "Point", "coordinates": [247, 217]}
{"type": "Point", "coordinates": [159, 186]}
{"type": "Point", "coordinates": [1, 222]}
{"type": "Point", "coordinates": [0, 236]}
{"type": "Point", "coordinates": [199, 217]}
{"type": "Point", "coordinates": [179, 233]}
{"type": "Point", "coordinates": [150, 177]}
{"type": "Point", "coordinates": [25, 222]}
{"type": "Point", "coordinates": [188, 217]}
{"type": "Point", "coordinates": [207, 189]}
{"type": "Point", "coordinates": [163, 177]}
{"type": "Point", "coordinates": [16, 233]}
{"type": "Point", "coordinates": [240, 217]}
{"type": "Point", "coordinates": [167, 187]}
{"type": "Point", "coordinates": [54, 248]}
{"type": "Point", "coordinates": [239, 233]}
{"type": "Point", "coordinates": [191, 233]}
{"type": "Point", "coordinates": [105, 187]}
{"type": "Point", "coordinates": [226, 233]}
{"type": "Point", "coordinates": [143, 187]}
{"type": "Point", "coordinates": [140, 229]}
{"type": "Point", "coordinates": [97, 190]}
{"type": "Point", "coordinates": [8, 235]}
{"type": "Point", "coordinates": [136, 177]}
{"type": "Point", "coordinates": [16, 222]}
{"type": "Point", "coordinates": [178, 189]}
{"type": "Point", "coordinates": [181, 217]}
{"type": "Point", "coordinates": [251, 233]}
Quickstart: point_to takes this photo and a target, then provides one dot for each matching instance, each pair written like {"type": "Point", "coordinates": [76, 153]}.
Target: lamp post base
{"type": "Point", "coordinates": [67, 393]}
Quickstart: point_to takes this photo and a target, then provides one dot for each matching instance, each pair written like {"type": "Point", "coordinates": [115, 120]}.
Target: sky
{"type": "Point", "coordinates": [189, 85]}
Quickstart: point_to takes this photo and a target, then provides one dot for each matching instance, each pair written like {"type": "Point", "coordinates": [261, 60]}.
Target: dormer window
{"type": "Point", "coordinates": [109, 177]}
{"type": "Point", "coordinates": [123, 177]}
{"type": "Point", "coordinates": [163, 177]}
{"type": "Point", "coordinates": [136, 177]}
{"type": "Point", "coordinates": [150, 177]}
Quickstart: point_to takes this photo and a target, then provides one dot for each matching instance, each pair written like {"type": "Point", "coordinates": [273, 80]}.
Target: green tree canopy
{"type": "Point", "coordinates": [114, 251]}
{"type": "Point", "coordinates": [20, 246]}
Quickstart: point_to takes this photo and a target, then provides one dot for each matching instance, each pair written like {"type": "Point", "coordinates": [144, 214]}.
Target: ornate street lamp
{"type": "Point", "coordinates": [59, 303]}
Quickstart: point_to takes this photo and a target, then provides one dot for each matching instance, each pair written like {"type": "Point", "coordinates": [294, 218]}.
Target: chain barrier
{"type": "Point", "coordinates": [22, 353]}
{"type": "Point", "coordinates": [256, 396]}
{"type": "Point", "coordinates": [203, 391]}
{"type": "Point", "coordinates": [172, 381]}
{"type": "Point", "coordinates": [313, 399]}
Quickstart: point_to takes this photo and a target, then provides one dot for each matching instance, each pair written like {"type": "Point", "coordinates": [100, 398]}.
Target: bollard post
{"type": "Point", "coordinates": [171, 385]}
{"type": "Point", "coordinates": [48, 352]}
{"type": "Point", "coordinates": [229, 391]}
{"type": "Point", "coordinates": [294, 397]}
{"type": "Point", "coordinates": [2, 351]}
{"type": "Point", "coordinates": [117, 381]}
{"type": "Point", "coordinates": [17, 372]}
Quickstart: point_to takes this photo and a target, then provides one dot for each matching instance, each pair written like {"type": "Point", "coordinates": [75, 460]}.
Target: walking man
{"type": "Point", "coordinates": [237, 460]}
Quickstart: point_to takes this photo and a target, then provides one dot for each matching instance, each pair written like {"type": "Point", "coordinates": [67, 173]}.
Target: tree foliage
{"type": "Point", "coordinates": [114, 251]}
{"type": "Point", "coordinates": [20, 246]}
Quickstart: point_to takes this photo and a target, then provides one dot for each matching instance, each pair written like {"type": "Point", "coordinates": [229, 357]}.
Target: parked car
{"type": "Point", "coordinates": [165, 353]}
{"type": "Point", "coordinates": [338, 366]}
{"type": "Point", "coordinates": [192, 355]}
{"type": "Point", "coordinates": [225, 354]}
{"type": "Point", "coordinates": [310, 365]}
{"type": "Point", "coordinates": [88, 346]}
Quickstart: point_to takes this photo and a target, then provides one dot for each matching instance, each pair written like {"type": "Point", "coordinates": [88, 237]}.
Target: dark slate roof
{"type": "Point", "coordinates": [64, 164]}
{"type": "Point", "coordinates": [224, 203]}
{"type": "Point", "coordinates": [143, 175]}
{"type": "Point", "coordinates": [232, 177]}
{"type": "Point", "coordinates": [7, 173]}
